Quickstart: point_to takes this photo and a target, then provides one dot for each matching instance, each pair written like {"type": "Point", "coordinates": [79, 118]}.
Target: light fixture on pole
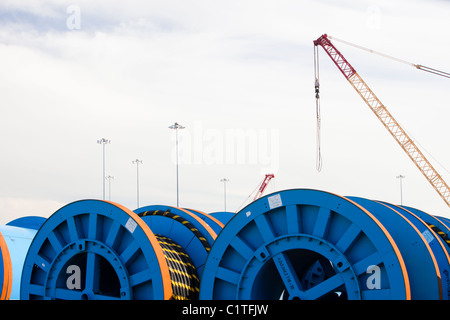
{"type": "Point", "coordinates": [109, 186]}
{"type": "Point", "coordinates": [401, 191]}
{"type": "Point", "coordinates": [175, 127]}
{"type": "Point", "coordinates": [137, 162]}
{"type": "Point", "coordinates": [103, 142]}
{"type": "Point", "coordinates": [225, 180]}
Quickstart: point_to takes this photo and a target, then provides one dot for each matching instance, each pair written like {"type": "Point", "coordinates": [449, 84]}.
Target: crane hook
{"type": "Point", "coordinates": [318, 117]}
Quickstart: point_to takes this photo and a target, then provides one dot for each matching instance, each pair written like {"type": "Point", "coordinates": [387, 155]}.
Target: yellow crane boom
{"type": "Point", "coordinates": [389, 122]}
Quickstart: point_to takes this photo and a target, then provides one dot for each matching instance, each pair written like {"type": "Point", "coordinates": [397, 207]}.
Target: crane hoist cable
{"type": "Point", "coordinates": [317, 86]}
{"type": "Point", "coordinates": [386, 118]}
{"type": "Point", "coordinates": [318, 116]}
{"type": "Point", "coordinates": [417, 66]}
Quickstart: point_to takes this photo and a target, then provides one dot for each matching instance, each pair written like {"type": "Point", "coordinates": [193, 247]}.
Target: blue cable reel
{"type": "Point", "coordinates": [440, 225]}
{"type": "Point", "coordinates": [27, 222]}
{"type": "Point", "coordinates": [304, 244]}
{"type": "Point", "coordinates": [186, 237]}
{"type": "Point", "coordinates": [93, 249]}
{"type": "Point", "coordinates": [16, 237]}
{"type": "Point", "coordinates": [425, 255]}
{"type": "Point", "coordinates": [223, 216]}
{"type": "Point", "coordinates": [444, 220]}
{"type": "Point", "coordinates": [192, 230]}
{"type": "Point", "coordinates": [210, 219]}
{"type": "Point", "coordinates": [444, 227]}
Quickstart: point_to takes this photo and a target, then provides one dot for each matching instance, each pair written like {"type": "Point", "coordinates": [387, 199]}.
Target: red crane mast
{"type": "Point", "coordinates": [263, 185]}
{"type": "Point", "coordinates": [402, 138]}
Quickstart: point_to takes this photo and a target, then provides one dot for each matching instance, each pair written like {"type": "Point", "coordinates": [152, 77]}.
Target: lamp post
{"type": "Point", "coordinates": [137, 162]}
{"type": "Point", "coordinates": [401, 191]}
{"type": "Point", "coordinates": [176, 127]}
{"type": "Point", "coordinates": [225, 180]}
{"type": "Point", "coordinates": [103, 142]}
{"type": "Point", "coordinates": [109, 186]}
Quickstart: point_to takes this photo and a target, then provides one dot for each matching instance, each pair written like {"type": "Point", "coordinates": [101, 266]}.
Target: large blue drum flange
{"type": "Point", "coordinates": [425, 257]}
{"type": "Point", "coordinates": [223, 216]}
{"type": "Point", "coordinates": [440, 225]}
{"type": "Point", "coordinates": [15, 239]}
{"type": "Point", "coordinates": [93, 249]}
{"type": "Point", "coordinates": [304, 244]}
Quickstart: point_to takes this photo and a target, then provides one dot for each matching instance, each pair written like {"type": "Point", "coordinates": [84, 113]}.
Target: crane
{"type": "Point", "coordinates": [263, 185]}
{"type": "Point", "coordinates": [389, 122]}
{"type": "Point", "coordinates": [259, 190]}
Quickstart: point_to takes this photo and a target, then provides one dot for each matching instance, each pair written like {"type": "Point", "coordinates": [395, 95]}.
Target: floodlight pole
{"type": "Point", "coordinates": [177, 126]}
{"type": "Point", "coordinates": [401, 191]}
{"type": "Point", "coordinates": [109, 186]}
{"type": "Point", "coordinates": [137, 162]}
{"type": "Point", "coordinates": [103, 142]}
{"type": "Point", "coordinates": [225, 180]}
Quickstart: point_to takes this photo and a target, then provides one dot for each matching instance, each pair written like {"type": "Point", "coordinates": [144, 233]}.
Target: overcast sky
{"type": "Point", "coordinates": [239, 76]}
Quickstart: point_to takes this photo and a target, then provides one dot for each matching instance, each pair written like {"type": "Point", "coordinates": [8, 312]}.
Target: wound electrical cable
{"type": "Point", "coordinates": [183, 221]}
{"type": "Point", "coordinates": [183, 274]}
{"type": "Point", "coordinates": [441, 234]}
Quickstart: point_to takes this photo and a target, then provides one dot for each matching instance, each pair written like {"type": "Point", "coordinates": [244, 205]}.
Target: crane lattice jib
{"type": "Point", "coordinates": [263, 185]}
{"type": "Point", "coordinates": [386, 118]}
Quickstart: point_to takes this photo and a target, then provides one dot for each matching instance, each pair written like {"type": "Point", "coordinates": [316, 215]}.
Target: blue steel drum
{"type": "Point", "coordinates": [215, 223]}
{"type": "Point", "coordinates": [18, 241]}
{"type": "Point", "coordinates": [444, 228]}
{"type": "Point", "coordinates": [16, 237]}
{"type": "Point", "coordinates": [223, 216]}
{"type": "Point", "coordinates": [439, 224]}
{"type": "Point", "coordinates": [92, 249]}
{"type": "Point", "coordinates": [445, 220]}
{"type": "Point", "coordinates": [5, 270]}
{"type": "Point", "coordinates": [28, 222]}
{"type": "Point", "coordinates": [436, 239]}
{"type": "Point", "coordinates": [304, 244]}
{"type": "Point", "coordinates": [425, 255]}
{"type": "Point", "coordinates": [193, 230]}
